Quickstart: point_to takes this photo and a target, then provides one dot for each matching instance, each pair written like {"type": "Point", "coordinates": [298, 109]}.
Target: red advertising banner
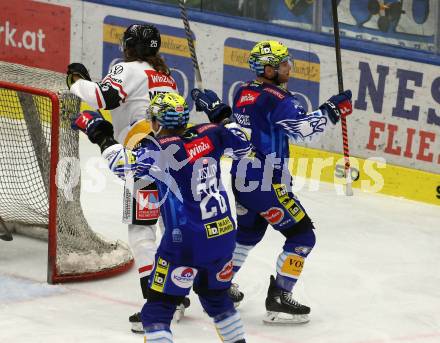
{"type": "Point", "coordinates": [35, 34]}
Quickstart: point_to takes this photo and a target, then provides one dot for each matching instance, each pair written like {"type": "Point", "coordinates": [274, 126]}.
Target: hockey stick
{"type": "Point", "coordinates": [348, 186]}
{"type": "Point", "coordinates": [190, 40]}
{"type": "Point", "coordinates": [6, 234]}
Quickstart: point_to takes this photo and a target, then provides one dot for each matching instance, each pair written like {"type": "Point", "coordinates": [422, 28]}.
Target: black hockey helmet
{"type": "Point", "coordinates": [143, 38]}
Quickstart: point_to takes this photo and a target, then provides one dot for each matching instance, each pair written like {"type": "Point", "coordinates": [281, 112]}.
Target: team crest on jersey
{"type": "Point", "coordinates": [156, 79]}
{"type": "Point", "coordinates": [247, 97]}
{"type": "Point", "coordinates": [198, 148]}
{"type": "Point", "coordinates": [226, 273]}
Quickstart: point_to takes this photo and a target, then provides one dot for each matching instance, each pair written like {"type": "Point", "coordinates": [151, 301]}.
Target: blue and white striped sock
{"type": "Point", "coordinates": [229, 326]}
{"type": "Point", "coordinates": [240, 254]}
{"type": "Point", "coordinates": [158, 333]}
{"type": "Point", "coordinates": [289, 268]}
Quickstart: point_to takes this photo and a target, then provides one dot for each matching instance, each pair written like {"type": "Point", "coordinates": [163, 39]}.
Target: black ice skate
{"type": "Point", "coordinates": [282, 308]}
{"type": "Point", "coordinates": [136, 322]}
{"type": "Point", "coordinates": [235, 295]}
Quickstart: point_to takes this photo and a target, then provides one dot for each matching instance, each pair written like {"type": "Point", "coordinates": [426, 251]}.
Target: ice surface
{"type": "Point", "coordinates": [373, 277]}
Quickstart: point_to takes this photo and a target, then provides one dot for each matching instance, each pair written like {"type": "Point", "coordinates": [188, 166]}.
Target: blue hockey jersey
{"type": "Point", "coordinates": [271, 115]}
{"type": "Point", "coordinates": [193, 202]}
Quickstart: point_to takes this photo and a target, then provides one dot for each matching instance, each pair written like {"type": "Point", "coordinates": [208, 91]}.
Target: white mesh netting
{"type": "Point", "coordinates": [25, 140]}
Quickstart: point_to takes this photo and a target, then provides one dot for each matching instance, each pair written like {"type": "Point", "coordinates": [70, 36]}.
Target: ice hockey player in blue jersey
{"type": "Point", "coordinates": [197, 246]}
{"type": "Point", "coordinates": [271, 115]}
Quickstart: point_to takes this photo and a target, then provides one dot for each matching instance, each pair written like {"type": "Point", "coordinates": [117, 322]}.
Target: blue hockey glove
{"type": "Point", "coordinates": [337, 106]}
{"type": "Point", "coordinates": [78, 70]}
{"type": "Point", "coordinates": [208, 102]}
{"type": "Point", "coordinates": [93, 125]}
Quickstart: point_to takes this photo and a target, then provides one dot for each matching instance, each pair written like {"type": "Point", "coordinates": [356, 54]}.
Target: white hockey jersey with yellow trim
{"type": "Point", "coordinates": [126, 90]}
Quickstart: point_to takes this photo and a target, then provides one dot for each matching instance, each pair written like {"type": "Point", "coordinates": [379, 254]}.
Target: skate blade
{"type": "Point", "coordinates": [236, 304]}
{"type": "Point", "coordinates": [279, 318]}
{"type": "Point", "coordinates": [137, 327]}
{"type": "Point", "coordinates": [180, 312]}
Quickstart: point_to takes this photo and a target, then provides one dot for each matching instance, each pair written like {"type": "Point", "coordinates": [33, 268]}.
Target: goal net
{"type": "Point", "coordinates": [40, 176]}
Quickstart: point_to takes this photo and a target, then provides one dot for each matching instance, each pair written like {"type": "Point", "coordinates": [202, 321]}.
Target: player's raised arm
{"type": "Point", "coordinates": [107, 93]}
{"type": "Point", "coordinates": [236, 142]}
{"type": "Point", "coordinates": [234, 138]}
{"type": "Point", "coordinates": [299, 125]}
{"type": "Point", "coordinates": [120, 160]}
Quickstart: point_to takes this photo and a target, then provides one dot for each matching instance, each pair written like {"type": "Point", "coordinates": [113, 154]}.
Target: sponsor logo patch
{"type": "Point", "coordinates": [293, 265]}
{"type": "Point", "coordinates": [247, 97]}
{"type": "Point", "coordinates": [160, 275]}
{"type": "Point", "coordinates": [147, 204]}
{"type": "Point", "coordinates": [198, 148]}
{"type": "Point", "coordinates": [272, 91]}
{"type": "Point", "coordinates": [273, 215]}
{"type": "Point", "coordinates": [168, 140]}
{"type": "Point", "coordinates": [117, 69]}
{"type": "Point", "coordinates": [303, 250]}
{"type": "Point", "coordinates": [203, 128]}
{"type": "Point", "coordinates": [225, 274]}
{"type": "Point", "coordinates": [183, 276]}
{"type": "Point", "coordinates": [240, 209]}
{"type": "Point", "coordinates": [219, 227]}
{"type": "Point", "coordinates": [288, 202]}
{"type": "Point", "coordinates": [156, 79]}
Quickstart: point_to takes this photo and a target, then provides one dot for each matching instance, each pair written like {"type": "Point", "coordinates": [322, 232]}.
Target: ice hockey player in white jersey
{"type": "Point", "coordinates": [127, 91]}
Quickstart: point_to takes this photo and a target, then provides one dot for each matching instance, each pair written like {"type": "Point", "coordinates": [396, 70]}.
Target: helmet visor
{"type": "Point", "coordinates": [288, 59]}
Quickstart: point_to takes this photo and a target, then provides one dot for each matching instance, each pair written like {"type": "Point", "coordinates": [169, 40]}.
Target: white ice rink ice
{"type": "Point", "coordinates": [373, 277]}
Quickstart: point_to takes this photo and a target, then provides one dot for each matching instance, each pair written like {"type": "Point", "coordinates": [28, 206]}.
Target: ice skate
{"type": "Point", "coordinates": [235, 294]}
{"type": "Point", "coordinates": [180, 310]}
{"type": "Point", "coordinates": [282, 308]}
{"type": "Point", "coordinates": [136, 322]}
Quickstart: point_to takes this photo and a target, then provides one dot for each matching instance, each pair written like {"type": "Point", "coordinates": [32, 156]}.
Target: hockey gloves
{"type": "Point", "coordinates": [337, 106]}
{"type": "Point", "coordinates": [76, 69]}
{"type": "Point", "coordinates": [98, 129]}
{"type": "Point", "coordinates": [208, 102]}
